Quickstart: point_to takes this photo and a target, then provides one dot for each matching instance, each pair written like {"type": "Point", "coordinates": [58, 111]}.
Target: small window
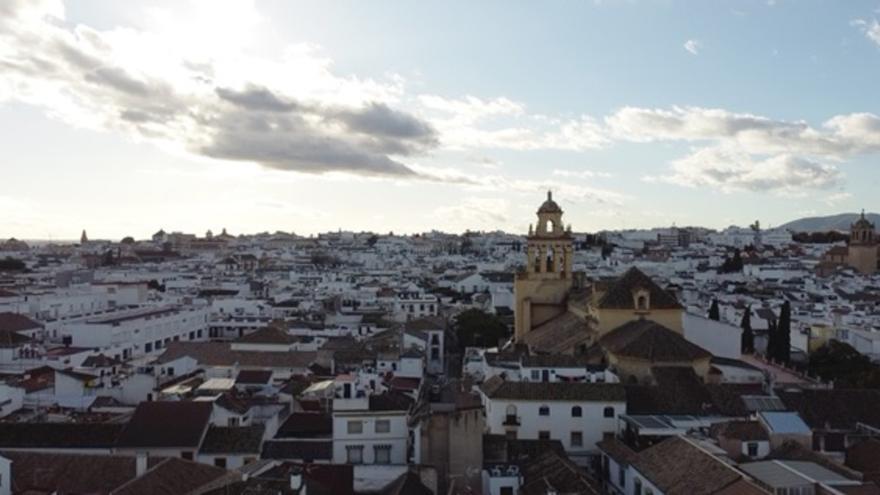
{"type": "Point", "coordinates": [220, 462]}
{"type": "Point", "coordinates": [637, 489]}
{"type": "Point", "coordinates": [577, 439]}
{"type": "Point", "coordinates": [382, 454]}
{"type": "Point", "coordinates": [544, 411]}
{"type": "Point", "coordinates": [354, 454]}
{"type": "Point", "coordinates": [543, 435]}
{"type": "Point", "coordinates": [506, 490]}
{"type": "Point", "coordinates": [608, 412]}
{"type": "Point", "coordinates": [621, 477]}
{"type": "Point", "coordinates": [753, 449]}
{"type": "Point", "coordinates": [536, 375]}
{"type": "Point", "coordinates": [383, 426]}
{"type": "Point", "coordinates": [355, 427]}
{"type": "Point", "coordinates": [188, 455]}
{"type": "Point", "coordinates": [576, 412]}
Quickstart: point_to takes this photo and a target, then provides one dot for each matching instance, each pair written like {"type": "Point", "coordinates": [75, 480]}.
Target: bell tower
{"type": "Point", "coordinates": [549, 246]}
{"type": "Point", "coordinates": [863, 250]}
{"type": "Point", "coordinates": [542, 288]}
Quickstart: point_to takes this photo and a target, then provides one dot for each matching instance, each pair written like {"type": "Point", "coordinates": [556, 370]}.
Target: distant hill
{"type": "Point", "coordinates": [840, 222]}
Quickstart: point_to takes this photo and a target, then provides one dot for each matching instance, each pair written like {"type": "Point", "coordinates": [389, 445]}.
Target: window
{"type": "Point", "coordinates": [637, 489]}
{"type": "Point", "coordinates": [188, 455]}
{"type": "Point", "coordinates": [642, 303]}
{"type": "Point", "coordinates": [232, 421]}
{"type": "Point", "coordinates": [220, 462]}
{"type": "Point", "coordinates": [355, 427]}
{"type": "Point", "coordinates": [608, 412]}
{"type": "Point", "coordinates": [382, 454]}
{"type": "Point", "coordinates": [621, 477]}
{"type": "Point", "coordinates": [536, 375]}
{"type": "Point", "coordinates": [544, 411]}
{"type": "Point", "coordinates": [649, 491]}
{"type": "Point", "coordinates": [577, 439]}
{"type": "Point", "coordinates": [383, 426]}
{"type": "Point", "coordinates": [506, 490]}
{"type": "Point", "coordinates": [148, 347]}
{"type": "Point", "coordinates": [753, 449]}
{"type": "Point", "coordinates": [543, 435]}
{"type": "Point", "coordinates": [576, 412]}
{"type": "Point", "coordinates": [354, 454]}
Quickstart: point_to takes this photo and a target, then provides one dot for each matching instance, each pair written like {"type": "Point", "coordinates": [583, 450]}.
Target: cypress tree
{"type": "Point", "coordinates": [747, 340]}
{"type": "Point", "coordinates": [783, 342]}
{"type": "Point", "coordinates": [772, 341]}
{"type": "Point", "coordinates": [714, 312]}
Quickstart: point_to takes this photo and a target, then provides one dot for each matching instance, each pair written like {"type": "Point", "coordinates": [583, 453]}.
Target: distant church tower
{"type": "Point", "coordinates": [83, 239]}
{"type": "Point", "coordinates": [863, 253]}
{"type": "Point", "coordinates": [540, 291]}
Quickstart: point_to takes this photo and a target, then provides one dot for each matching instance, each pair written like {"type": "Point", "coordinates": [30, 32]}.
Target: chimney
{"type": "Point", "coordinates": [140, 464]}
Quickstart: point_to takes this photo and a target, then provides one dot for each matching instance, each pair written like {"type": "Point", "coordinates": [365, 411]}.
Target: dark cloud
{"type": "Point", "coordinates": [251, 123]}
{"type": "Point", "coordinates": [256, 98]}
{"type": "Point", "coordinates": [377, 119]}
{"type": "Point", "coordinates": [118, 79]}
{"type": "Point", "coordinates": [287, 142]}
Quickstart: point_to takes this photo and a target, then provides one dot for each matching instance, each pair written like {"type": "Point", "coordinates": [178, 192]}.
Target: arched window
{"type": "Point", "coordinates": [511, 410]}
{"type": "Point", "coordinates": [544, 411]}
{"type": "Point", "coordinates": [608, 412]}
{"type": "Point", "coordinates": [642, 302]}
{"type": "Point", "coordinates": [576, 412]}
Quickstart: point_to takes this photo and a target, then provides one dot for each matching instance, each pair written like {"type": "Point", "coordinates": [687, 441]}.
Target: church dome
{"type": "Point", "coordinates": [863, 223]}
{"type": "Point", "coordinates": [549, 206]}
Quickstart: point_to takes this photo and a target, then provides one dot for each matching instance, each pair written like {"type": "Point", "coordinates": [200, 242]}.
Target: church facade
{"type": "Point", "coordinates": [629, 323]}
{"type": "Point", "coordinates": [863, 251]}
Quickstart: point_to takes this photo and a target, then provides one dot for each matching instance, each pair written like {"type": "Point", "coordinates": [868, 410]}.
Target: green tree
{"type": "Point", "coordinates": [714, 311]}
{"type": "Point", "coordinates": [747, 340]}
{"type": "Point", "coordinates": [840, 362]}
{"type": "Point", "coordinates": [783, 351]}
{"type": "Point", "coordinates": [476, 328]}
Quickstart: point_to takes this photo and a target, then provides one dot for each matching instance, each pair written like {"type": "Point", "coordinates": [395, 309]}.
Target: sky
{"type": "Point", "coordinates": [122, 118]}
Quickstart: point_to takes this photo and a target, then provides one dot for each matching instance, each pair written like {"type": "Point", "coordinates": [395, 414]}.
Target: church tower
{"type": "Point", "coordinates": [541, 290]}
{"type": "Point", "coordinates": [863, 253]}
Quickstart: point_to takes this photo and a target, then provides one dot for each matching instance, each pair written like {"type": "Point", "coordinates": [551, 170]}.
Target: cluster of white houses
{"type": "Point", "coordinates": [290, 365]}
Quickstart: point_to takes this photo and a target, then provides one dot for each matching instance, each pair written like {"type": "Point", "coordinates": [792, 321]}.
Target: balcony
{"type": "Point", "coordinates": [511, 420]}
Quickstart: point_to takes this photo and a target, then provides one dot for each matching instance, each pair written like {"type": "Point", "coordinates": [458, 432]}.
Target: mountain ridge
{"type": "Point", "coordinates": [839, 222]}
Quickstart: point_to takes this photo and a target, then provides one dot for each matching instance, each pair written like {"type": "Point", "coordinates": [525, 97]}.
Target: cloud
{"type": "Point", "coordinates": [291, 111]}
{"type": "Point", "coordinates": [870, 28]}
{"type": "Point", "coordinates": [731, 170]}
{"type": "Point", "coordinates": [693, 46]}
{"type": "Point", "coordinates": [839, 137]}
{"type": "Point", "coordinates": [224, 108]}
{"type": "Point", "coordinates": [500, 123]}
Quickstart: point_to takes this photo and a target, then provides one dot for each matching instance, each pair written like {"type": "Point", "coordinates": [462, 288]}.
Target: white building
{"type": "Point", "coordinates": [577, 414]}
{"type": "Point", "coordinates": [138, 332]}
{"type": "Point", "coordinates": [368, 429]}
